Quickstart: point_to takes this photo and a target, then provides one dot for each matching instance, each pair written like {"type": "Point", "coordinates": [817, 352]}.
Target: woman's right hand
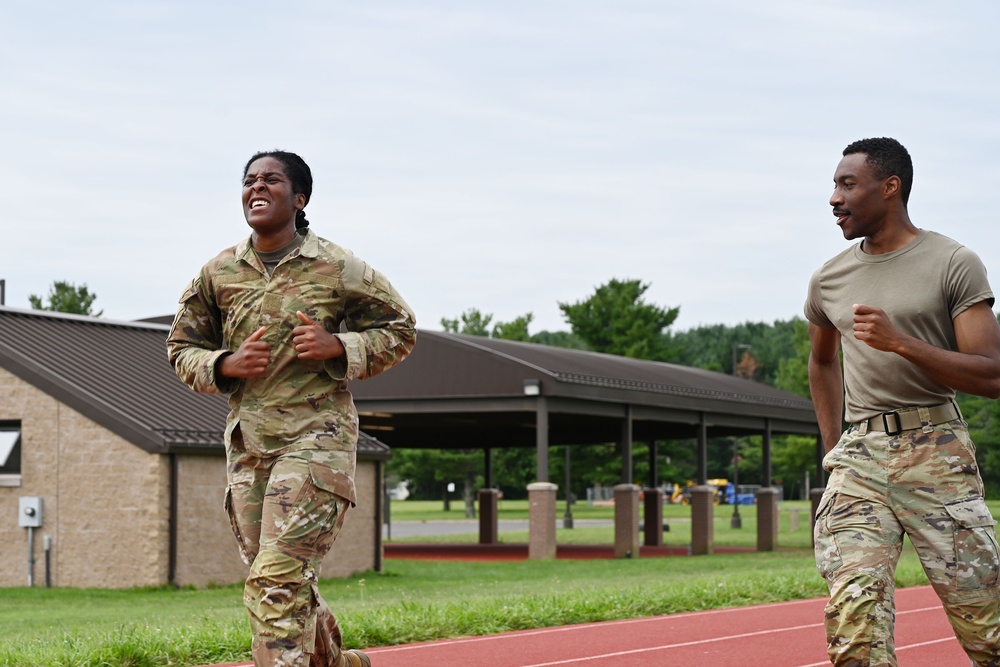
{"type": "Point", "coordinates": [250, 360]}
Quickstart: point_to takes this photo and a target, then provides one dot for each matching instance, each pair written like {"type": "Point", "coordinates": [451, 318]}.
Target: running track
{"type": "Point", "coordinates": [788, 634]}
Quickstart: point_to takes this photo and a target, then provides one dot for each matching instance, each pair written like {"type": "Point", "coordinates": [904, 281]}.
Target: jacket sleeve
{"type": "Point", "coordinates": [381, 327]}
{"type": "Point", "coordinates": [195, 343]}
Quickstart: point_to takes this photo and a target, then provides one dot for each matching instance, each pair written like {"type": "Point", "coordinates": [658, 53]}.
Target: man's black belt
{"type": "Point", "coordinates": [897, 421]}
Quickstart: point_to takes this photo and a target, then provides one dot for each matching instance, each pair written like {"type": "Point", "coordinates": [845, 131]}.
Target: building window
{"type": "Point", "coordinates": [10, 454]}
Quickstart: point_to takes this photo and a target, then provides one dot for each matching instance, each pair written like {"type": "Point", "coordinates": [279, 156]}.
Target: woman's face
{"type": "Point", "coordinates": [269, 203]}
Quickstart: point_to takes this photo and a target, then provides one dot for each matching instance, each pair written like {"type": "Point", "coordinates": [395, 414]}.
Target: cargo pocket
{"type": "Point", "coordinates": [338, 485]}
{"type": "Point", "coordinates": [977, 558]}
{"type": "Point", "coordinates": [244, 554]}
{"type": "Point", "coordinates": [336, 482]}
{"type": "Point", "coordinates": [828, 558]}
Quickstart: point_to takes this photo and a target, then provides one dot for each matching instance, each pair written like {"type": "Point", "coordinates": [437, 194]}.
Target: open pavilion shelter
{"type": "Point", "coordinates": [470, 392]}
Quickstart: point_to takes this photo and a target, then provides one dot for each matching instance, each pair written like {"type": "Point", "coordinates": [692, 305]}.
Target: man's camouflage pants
{"type": "Point", "coordinates": [286, 517]}
{"type": "Point", "coordinates": [925, 483]}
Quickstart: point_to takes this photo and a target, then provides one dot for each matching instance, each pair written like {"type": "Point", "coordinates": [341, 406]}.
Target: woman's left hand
{"type": "Point", "coordinates": [312, 341]}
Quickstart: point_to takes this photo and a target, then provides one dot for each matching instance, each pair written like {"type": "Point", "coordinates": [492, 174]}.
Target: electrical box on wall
{"type": "Point", "coordinates": [30, 512]}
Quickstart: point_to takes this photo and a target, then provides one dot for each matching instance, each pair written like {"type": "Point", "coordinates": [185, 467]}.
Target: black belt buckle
{"type": "Point", "coordinates": [885, 423]}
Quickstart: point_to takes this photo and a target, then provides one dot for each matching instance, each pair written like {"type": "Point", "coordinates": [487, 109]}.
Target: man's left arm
{"type": "Point", "coordinates": [973, 369]}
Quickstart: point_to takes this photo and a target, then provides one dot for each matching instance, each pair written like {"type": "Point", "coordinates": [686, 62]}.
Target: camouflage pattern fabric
{"type": "Point", "coordinates": [297, 404]}
{"type": "Point", "coordinates": [286, 512]}
{"type": "Point", "coordinates": [925, 483]}
{"type": "Point", "coordinates": [291, 433]}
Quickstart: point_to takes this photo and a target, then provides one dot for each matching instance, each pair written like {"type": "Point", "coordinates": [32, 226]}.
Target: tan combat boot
{"type": "Point", "coordinates": [353, 658]}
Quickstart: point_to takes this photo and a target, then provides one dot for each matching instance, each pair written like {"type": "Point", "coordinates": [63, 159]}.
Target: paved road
{"type": "Point", "coordinates": [400, 530]}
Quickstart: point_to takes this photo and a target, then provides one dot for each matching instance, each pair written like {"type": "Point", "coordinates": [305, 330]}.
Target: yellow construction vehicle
{"type": "Point", "coordinates": [682, 494]}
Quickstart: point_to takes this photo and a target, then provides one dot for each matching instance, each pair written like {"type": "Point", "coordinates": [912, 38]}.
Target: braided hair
{"type": "Point", "coordinates": [298, 173]}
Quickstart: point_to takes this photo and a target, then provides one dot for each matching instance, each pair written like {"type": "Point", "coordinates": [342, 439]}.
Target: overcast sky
{"type": "Point", "coordinates": [502, 155]}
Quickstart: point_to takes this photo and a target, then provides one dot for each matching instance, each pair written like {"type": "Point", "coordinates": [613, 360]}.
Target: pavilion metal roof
{"type": "Point", "coordinates": [469, 391]}
{"type": "Point", "coordinates": [117, 374]}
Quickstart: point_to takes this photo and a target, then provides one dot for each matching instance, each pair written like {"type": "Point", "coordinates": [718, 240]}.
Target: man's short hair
{"type": "Point", "coordinates": [887, 157]}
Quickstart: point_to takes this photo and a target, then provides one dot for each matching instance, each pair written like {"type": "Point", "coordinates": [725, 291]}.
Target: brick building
{"type": "Point", "coordinates": [128, 463]}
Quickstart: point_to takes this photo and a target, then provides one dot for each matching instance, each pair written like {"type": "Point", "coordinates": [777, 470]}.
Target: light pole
{"type": "Point", "coordinates": [737, 520]}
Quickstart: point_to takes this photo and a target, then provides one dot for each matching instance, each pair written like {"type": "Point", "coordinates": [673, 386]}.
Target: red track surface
{"type": "Point", "coordinates": [789, 634]}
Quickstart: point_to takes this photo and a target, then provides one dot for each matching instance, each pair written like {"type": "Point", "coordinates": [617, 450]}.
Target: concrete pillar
{"type": "Point", "coordinates": [767, 519]}
{"type": "Point", "coordinates": [489, 524]}
{"type": "Point", "coordinates": [542, 520]}
{"type": "Point", "coordinates": [652, 517]}
{"type": "Point", "coordinates": [626, 521]}
{"type": "Point", "coordinates": [702, 520]}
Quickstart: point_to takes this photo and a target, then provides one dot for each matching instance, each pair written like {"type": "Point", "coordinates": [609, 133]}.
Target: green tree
{"type": "Point", "coordinates": [983, 416]}
{"type": "Point", "coordinates": [516, 329]}
{"type": "Point", "coordinates": [616, 320]}
{"type": "Point", "coordinates": [65, 297]}
{"type": "Point", "coordinates": [471, 322]}
{"type": "Point", "coordinates": [793, 371]}
{"type": "Point", "coordinates": [711, 347]}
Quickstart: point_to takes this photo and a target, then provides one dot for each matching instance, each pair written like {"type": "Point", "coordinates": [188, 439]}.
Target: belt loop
{"type": "Point", "coordinates": [863, 427]}
{"type": "Point", "coordinates": [925, 419]}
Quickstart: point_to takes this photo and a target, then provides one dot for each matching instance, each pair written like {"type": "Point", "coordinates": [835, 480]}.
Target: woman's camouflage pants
{"type": "Point", "coordinates": [286, 517]}
{"type": "Point", "coordinates": [925, 483]}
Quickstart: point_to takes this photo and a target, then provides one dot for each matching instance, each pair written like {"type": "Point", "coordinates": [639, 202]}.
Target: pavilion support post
{"type": "Point", "coordinates": [767, 454]}
{"type": "Point", "coordinates": [542, 440]}
{"type": "Point", "coordinates": [488, 468]}
{"type": "Point", "coordinates": [768, 500]}
{"type": "Point", "coordinates": [702, 453]}
{"type": "Point", "coordinates": [489, 523]}
{"type": "Point", "coordinates": [767, 518]}
{"type": "Point", "coordinates": [654, 459]}
{"type": "Point", "coordinates": [626, 521]}
{"type": "Point", "coordinates": [702, 499]}
{"type": "Point", "coordinates": [627, 446]}
{"type": "Point", "coordinates": [702, 520]}
{"type": "Point", "coordinates": [542, 521]}
{"type": "Point", "coordinates": [652, 517]}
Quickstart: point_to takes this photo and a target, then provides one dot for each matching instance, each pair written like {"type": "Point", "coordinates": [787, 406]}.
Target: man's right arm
{"type": "Point", "coordinates": [826, 383]}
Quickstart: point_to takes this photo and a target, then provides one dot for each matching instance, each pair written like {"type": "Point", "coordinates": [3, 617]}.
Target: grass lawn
{"type": "Point", "coordinates": [420, 600]}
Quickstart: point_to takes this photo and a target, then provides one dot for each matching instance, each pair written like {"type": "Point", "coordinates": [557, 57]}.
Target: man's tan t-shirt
{"type": "Point", "coordinates": [922, 287]}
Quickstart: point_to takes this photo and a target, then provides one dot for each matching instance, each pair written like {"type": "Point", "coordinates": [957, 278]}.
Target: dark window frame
{"type": "Point", "coordinates": [12, 466]}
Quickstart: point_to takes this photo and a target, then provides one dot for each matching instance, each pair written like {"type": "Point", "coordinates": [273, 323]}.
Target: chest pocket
{"type": "Point", "coordinates": [318, 295]}
{"type": "Point", "coordinates": [238, 296]}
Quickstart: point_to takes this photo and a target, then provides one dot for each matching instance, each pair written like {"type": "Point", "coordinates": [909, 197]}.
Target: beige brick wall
{"type": "Point", "coordinates": [354, 550]}
{"type": "Point", "coordinates": [105, 502]}
{"type": "Point", "coordinates": [106, 506]}
{"type": "Point", "coordinates": [206, 548]}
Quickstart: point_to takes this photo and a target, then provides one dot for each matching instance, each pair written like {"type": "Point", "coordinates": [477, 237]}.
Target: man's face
{"type": "Point", "coordinates": [858, 199]}
{"type": "Point", "coordinates": [269, 203]}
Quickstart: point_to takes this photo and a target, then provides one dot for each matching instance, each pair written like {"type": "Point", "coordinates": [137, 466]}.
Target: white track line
{"type": "Point", "coordinates": [722, 639]}
{"type": "Point", "coordinates": [580, 626]}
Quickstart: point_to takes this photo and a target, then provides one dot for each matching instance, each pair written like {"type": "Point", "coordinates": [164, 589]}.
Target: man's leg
{"type": "Point", "coordinates": [941, 506]}
{"type": "Point", "coordinates": [858, 541]}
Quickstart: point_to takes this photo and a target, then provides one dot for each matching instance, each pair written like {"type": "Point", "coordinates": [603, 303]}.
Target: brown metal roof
{"type": "Point", "coordinates": [469, 391]}
{"type": "Point", "coordinates": [117, 374]}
